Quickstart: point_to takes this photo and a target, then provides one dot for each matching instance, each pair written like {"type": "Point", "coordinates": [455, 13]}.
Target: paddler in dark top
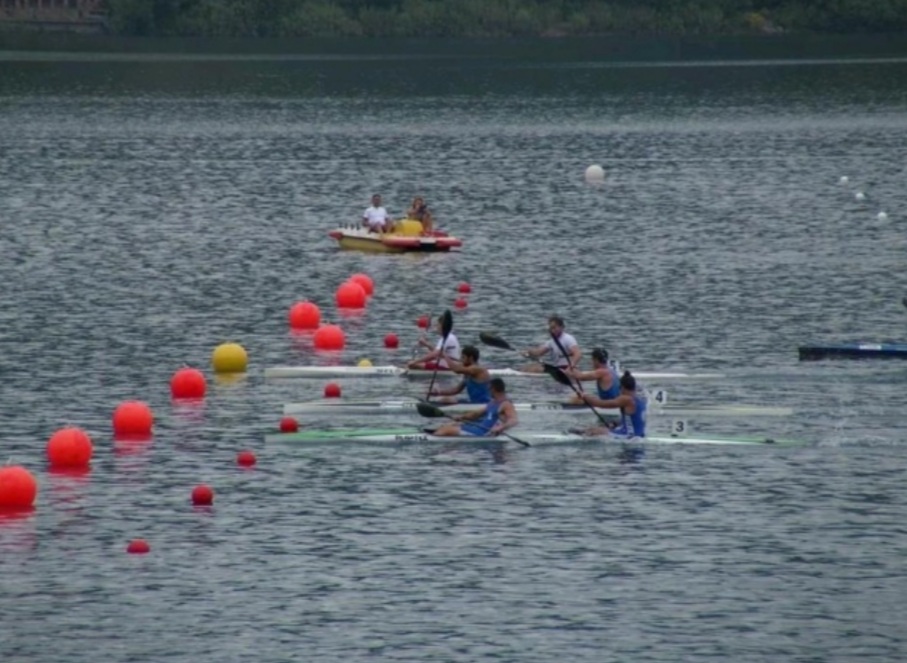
{"type": "Point", "coordinates": [419, 211]}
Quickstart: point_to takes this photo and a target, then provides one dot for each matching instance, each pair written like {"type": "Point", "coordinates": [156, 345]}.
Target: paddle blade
{"type": "Point", "coordinates": [558, 374]}
{"type": "Point", "coordinates": [427, 410]}
{"type": "Point", "coordinates": [495, 341]}
{"type": "Point", "coordinates": [446, 323]}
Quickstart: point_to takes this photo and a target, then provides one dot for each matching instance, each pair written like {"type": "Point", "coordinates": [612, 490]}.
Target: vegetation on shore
{"type": "Point", "coordinates": [497, 18]}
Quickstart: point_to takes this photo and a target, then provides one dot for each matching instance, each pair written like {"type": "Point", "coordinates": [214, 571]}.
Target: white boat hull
{"type": "Point", "coordinates": [284, 372]}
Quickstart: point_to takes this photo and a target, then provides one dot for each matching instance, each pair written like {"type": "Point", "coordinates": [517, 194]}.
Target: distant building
{"type": "Point", "coordinates": [73, 15]}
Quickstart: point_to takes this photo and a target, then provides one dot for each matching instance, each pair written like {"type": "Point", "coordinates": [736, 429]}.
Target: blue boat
{"type": "Point", "coordinates": [858, 350]}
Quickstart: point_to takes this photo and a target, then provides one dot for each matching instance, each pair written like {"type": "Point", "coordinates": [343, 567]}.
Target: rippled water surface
{"type": "Point", "coordinates": [152, 208]}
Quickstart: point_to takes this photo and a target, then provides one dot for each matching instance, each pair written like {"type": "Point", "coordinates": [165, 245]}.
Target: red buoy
{"type": "Point", "coordinates": [332, 390]}
{"type": "Point", "coordinates": [69, 447]}
{"type": "Point", "coordinates": [289, 425]}
{"type": "Point", "coordinates": [202, 495]}
{"type": "Point", "coordinates": [460, 303]}
{"type": "Point", "coordinates": [464, 288]}
{"type": "Point", "coordinates": [350, 295]}
{"type": "Point", "coordinates": [18, 488]}
{"type": "Point", "coordinates": [391, 341]}
{"type": "Point", "coordinates": [246, 459]}
{"type": "Point", "coordinates": [365, 281]}
{"type": "Point", "coordinates": [132, 418]}
{"type": "Point", "coordinates": [329, 337]}
{"type": "Point", "coordinates": [305, 315]}
{"type": "Point", "coordinates": [188, 383]}
{"type": "Point", "coordinates": [423, 322]}
{"type": "Point", "coordinates": [138, 547]}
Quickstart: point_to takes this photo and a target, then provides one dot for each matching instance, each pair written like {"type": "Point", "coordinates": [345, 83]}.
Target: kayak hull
{"type": "Point", "coordinates": [360, 239]}
{"type": "Point", "coordinates": [853, 351]}
{"type": "Point", "coordinates": [286, 372]}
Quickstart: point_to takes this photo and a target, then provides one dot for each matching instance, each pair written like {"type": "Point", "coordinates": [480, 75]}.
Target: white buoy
{"type": "Point", "coordinates": [844, 180]}
{"type": "Point", "coordinates": [881, 216]}
{"type": "Point", "coordinates": [859, 195]}
{"type": "Point", "coordinates": [595, 174]}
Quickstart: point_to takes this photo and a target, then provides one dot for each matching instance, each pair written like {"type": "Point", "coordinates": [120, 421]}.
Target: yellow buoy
{"type": "Point", "coordinates": [229, 358]}
{"type": "Point", "coordinates": [364, 363]}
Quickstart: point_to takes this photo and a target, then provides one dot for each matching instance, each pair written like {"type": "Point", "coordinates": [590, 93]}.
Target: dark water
{"type": "Point", "coordinates": [154, 207]}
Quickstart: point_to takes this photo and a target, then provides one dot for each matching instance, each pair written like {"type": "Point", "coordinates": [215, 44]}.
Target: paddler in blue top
{"type": "Point", "coordinates": [632, 410]}
{"type": "Point", "coordinates": [476, 379]}
{"type": "Point", "coordinates": [607, 381]}
{"type": "Point", "coordinates": [494, 418]}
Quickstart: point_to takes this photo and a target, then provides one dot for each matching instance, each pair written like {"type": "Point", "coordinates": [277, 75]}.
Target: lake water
{"type": "Point", "coordinates": [152, 207]}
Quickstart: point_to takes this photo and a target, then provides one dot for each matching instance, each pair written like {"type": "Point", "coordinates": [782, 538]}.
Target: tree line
{"type": "Point", "coordinates": [497, 18]}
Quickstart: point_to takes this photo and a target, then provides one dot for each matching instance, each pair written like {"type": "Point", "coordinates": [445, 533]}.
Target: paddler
{"type": "Point", "coordinates": [550, 352]}
{"type": "Point", "coordinates": [496, 417]}
{"type": "Point", "coordinates": [376, 218]}
{"type": "Point", "coordinates": [433, 359]}
{"type": "Point", "coordinates": [420, 212]}
{"type": "Point", "coordinates": [476, 379]}
{"type": "Point", "coordinates": [607, 382]}
{"type": "Point", "coordinates": [632, 406]}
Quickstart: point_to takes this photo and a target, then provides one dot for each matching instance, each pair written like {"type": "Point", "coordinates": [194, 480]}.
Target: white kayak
{"type": "Point", "coordinates": [402, 436]}
{"type": "Point", "coordinates": [396, 371]}
{"type": "Point", "coordinates": [342, 406]}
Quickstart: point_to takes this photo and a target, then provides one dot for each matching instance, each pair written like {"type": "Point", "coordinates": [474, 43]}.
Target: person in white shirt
{"type": "Point", "coordinates": [434, 358]}
{"type": "Point", "coordinates": [550, 353]}
{"type": "Point", "coordinates": [376, 218]}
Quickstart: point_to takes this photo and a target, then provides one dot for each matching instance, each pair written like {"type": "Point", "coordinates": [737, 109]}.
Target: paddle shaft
{"type": "Point", "coordinates": [434, 411]}
{"type": "Point", "coordinates": [446, 328]}
{"type": "Point", "coordinates": [567, 381]}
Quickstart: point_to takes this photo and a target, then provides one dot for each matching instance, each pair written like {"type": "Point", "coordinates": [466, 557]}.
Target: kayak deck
{"type": "Point", "coordinates": [863, 350]}
{"type": "Point", "coordinates": [284, 372]}
{"type": "Point", "coordinates": [403, 436]}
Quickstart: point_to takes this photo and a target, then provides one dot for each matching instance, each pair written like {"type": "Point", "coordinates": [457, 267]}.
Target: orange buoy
{"type": "Point", "coordinates": [245, 459]}
{"type": "Point", "coordinates": [391, 341]}
{"type": "Point", "coordinates": [202, 495]}
{"type": "Point", "coordinates": [18, 488]}
{"type": "Point", "coordinates": [138, 547]}
{"type": "Point", "coordinates": [350, 295]}
{"type": "Point", "coordinates": [69, 447]}
{"type": "Point", "coordinates": [460, 303]}
{"type": "Point", "coordinates": [365, 281]}
{"type": "Point", "coordinates": [188, 383]}
{"type": "Point", "coordinates": [332, 390]}
{"type": "Point", "coordinates": [423, 321]}
{"type": "Point", "coordinates": [132, 418]}
{"type": "Point", "coordinates": [289, 425]}
{"type": "Point", "coordinates": [464, 288]}
{"type": "Point", "coordinates": [305, 315]}
{"type": "Point", "coordinates": [329, 337]}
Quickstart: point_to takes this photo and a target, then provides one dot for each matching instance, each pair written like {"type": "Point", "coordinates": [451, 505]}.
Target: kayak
{"type": "Point", "coordinates": [396, 371]}
{"type": "Point", "coordinates": [393, 437]}
{"type": "Point", "coordinates": [390, 406]}
{"type": "Point", "coordinates": [853, 351]}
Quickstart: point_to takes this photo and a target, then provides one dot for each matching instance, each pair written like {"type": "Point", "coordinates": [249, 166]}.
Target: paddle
{"type": "Point", "coordinates": [446, 328]}
{"type": "Point", "coordinates": [558, 374]}
{"type": "Point", "coordinates": [427, 410]}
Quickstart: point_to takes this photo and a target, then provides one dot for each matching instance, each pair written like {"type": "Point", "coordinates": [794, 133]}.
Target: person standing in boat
{"type": "Point", "coordinates": [376, 218]}
{"type": "Point", "coordinates": [632, 406]}
{"type": "Point", "coordinates": [607, 381]}
{"type": "Point", "coordinates": [549, 352]}
{"type": "Point", "coordinates": [420, 212]}
{"type": "Point", "coordinates": [496, 417]}
{"type": "Point", "coordinates": [434, 359]}
{"type": "Point", "coordinates": [476, 379]}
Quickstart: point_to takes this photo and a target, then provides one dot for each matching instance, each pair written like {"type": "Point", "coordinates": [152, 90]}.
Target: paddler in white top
{"type": "Point", "coordinates": [376, 218]}
{"type": "Point", "coordinates": [434, 359]}
{"type": "Point", "coordinates": [553, 350]}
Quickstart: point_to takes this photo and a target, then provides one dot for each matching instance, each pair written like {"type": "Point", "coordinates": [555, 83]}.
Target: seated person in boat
{"type": "Point", "coordinates": [476, 378]}
{"type": "Point", "coordinates": [376, 218]}
{"type": "Point", "coordinates": [632, 406]}
{"type": "Point", "coordinates": [561, 349]}
{"type": "Point", "coordinates": [607, 381]}
{"type": "Point", "coordinates": [494, 418]}
{"type": "Point", "coordinates": [419, 211]}
{"type": "Point", "coordinates": [436, 358]}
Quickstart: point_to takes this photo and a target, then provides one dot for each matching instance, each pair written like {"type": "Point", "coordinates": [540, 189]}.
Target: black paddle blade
{"type": "Point", "coordinates": [446, 323]}
{"type": "Point", "coordinates": [495, 341]}
{"type": "Point", "coordinates": [427, 410]}
{"type": "Point", "coordinates": [558, 374]}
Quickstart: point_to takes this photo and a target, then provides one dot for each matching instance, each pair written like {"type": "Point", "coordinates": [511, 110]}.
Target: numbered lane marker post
{"type": "Point", "coordinates": [660, 397]}
{"type": "Point", "coordinates": [679, 428]}
{"type": "Point", "coordinates": [615, 364]}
